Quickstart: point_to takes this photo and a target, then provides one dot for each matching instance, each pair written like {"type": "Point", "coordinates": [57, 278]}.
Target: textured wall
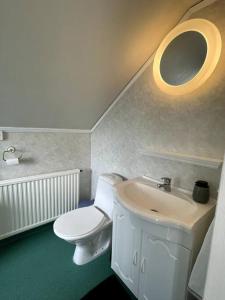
{"type": "Point", "coordinates": [49, 152]}
{"type": "Point", "coordinates": [146, 117]}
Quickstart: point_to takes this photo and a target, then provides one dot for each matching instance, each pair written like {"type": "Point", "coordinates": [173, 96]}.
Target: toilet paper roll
{"type": "Point", "coordinates": [12, 161]}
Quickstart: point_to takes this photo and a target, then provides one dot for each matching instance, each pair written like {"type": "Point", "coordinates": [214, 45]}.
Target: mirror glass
{"type": "Point", "coordinates": [183, 58]}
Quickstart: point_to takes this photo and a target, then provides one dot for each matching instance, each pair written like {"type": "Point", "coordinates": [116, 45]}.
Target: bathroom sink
{"type": "Point", "coordinates": [175, 208]}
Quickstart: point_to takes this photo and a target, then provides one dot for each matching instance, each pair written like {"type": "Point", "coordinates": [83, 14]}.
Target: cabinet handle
{"type": "Point", "coordinates": [135, 258]}
{"type": "Point", "coordinates": [143, 265]}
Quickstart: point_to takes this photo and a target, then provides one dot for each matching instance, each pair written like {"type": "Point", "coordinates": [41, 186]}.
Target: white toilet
{"type": "Point", "coordinates": [90, 228]}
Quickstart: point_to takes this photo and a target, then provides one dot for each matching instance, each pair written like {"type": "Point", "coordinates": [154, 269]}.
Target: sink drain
{"type": "Point", "coordinates": [154, 210]}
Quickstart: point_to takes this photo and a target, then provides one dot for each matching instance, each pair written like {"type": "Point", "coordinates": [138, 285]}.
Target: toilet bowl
{"type": "Point", "coordinates": [90, 228]}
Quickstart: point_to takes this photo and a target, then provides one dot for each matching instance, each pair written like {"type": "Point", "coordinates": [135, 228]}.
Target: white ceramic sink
{"type": "Point", "coordinates": [174, 208]}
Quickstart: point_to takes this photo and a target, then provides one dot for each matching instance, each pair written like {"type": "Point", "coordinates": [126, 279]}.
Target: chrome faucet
{"type": "Point", "coordinates": [166, 184]}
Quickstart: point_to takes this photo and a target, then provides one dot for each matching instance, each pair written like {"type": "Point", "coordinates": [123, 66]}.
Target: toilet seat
{"type": "Point", "coordinates": [79, 222]}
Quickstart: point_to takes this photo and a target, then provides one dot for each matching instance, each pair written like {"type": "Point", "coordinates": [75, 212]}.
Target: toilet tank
{"type": "Point", "coordinates": [104, 193]}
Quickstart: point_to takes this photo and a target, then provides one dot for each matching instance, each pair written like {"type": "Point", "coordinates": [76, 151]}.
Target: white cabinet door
{"type": "Point", "coordinates": [163, 270]}
{"type": "Point", "coordinates": [126, 248]}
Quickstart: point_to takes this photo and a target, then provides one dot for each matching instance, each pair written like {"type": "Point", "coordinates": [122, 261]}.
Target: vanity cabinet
{"type": "Point", "coordinates": [152, 267]}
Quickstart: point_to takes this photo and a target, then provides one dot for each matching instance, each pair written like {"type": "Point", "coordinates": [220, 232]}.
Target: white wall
{"type": "Point", "coordinates": [215, 282]}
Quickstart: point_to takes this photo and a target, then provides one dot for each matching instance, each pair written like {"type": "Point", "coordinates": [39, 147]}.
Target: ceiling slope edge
{"type": "Point", "coordinates": [44, 130]}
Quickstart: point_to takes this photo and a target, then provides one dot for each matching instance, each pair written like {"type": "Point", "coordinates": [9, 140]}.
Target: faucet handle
{"type": "Point", "coordinates": [166, 180]}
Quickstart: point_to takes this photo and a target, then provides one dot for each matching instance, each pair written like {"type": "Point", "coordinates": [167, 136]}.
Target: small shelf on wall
{"type": "Point", "coordinates": [185, 158]}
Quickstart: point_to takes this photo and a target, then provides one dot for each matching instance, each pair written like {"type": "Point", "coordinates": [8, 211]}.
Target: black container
{"type": "Point", "coordinates": [201, 191]}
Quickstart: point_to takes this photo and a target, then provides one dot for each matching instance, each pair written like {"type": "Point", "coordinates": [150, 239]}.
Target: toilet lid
{"type": "Point", "coordinates": [78, 222]}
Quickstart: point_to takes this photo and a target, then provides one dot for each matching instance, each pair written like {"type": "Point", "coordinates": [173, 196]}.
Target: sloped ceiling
{"type": "Point", "coordinates": [62, 63]}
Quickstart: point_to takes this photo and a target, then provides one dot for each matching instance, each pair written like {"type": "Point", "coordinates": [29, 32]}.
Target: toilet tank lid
{"type": "Point", "coordinates": [111, 178]}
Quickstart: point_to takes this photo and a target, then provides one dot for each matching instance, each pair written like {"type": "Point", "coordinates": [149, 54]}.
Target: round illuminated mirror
{"type": "Point", "coordinates": [187, 56]}
{"type": "Point", "coordinates": [183, 58]}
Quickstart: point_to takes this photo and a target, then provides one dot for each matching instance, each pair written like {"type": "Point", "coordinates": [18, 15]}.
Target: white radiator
{"type": "Point", "coordinates": [35, 200]}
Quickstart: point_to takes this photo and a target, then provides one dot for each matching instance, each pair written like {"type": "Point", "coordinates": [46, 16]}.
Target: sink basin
{"type": "Point", "coordinates": [175, 208]}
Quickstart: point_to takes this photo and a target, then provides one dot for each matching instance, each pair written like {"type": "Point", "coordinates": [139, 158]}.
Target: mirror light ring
{"type": "Point", "coordinates": [214, 45]}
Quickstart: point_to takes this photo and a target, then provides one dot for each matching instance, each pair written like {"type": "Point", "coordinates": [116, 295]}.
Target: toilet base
{"type": "Point", "coordinates": [93, 246]}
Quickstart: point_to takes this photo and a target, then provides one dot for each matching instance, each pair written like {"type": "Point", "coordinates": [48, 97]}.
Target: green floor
{"type": "Point", "coordinates": [38, 266]}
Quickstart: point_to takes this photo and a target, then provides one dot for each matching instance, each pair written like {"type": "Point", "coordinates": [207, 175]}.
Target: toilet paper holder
{"type": "Point", "coordinates": [10, 149]}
